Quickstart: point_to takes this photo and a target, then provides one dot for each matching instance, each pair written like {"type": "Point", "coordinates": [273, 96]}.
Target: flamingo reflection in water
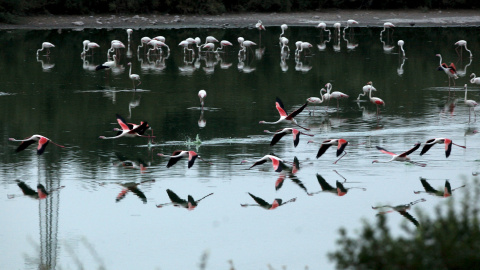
{"type": "Point", "coordinates": [46, 65]}
{"type": "Point", "coordinates": [130, 163]}
{"type": "Point", "coordinates": [132, 187]}
{"type": "Point", "coordinates": [179, 154]}
{"type": "Point", "coordinates": [40, 194]}
{"type": "Point", "coordinates": [278, 135]}
{"type": "Point", "coordinates": [339, 190]}
{"type": "Point", "coordinates": [176, 201]}
{"type": "Point", "coordinates": [291, 174]}
{"type": "Point", "coordinates": [262, 203]}
{"type": "Point", "coordinates": [448, 145]}
{"type": "Point", "coordinates": [401, 209]}
{"type": "Point", "coordinates": [446, 192]}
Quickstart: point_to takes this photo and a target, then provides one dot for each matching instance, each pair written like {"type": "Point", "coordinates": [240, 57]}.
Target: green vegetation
{"type": "Point", "coordinates": [11, 8]}
{"type": "Point", "coordinates": [450, 240]}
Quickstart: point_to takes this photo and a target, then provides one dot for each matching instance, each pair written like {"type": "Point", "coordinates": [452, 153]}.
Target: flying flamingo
{"type": "Point", "coordinates": [277, 163]}
{"type": "Point", "coordinates": [386, 26]}
{"type": "Point", "coordinates": [470, 103]}
{"type": "Point", "coordinates": [366, 90]}
{"type": "Point", "coordinates": [46, 45]}
{"type": "Point", "coordinates": [375, 100]}
{"type": "Point", "coordinates": [284, 117]}
{"type": "Point", "coordinates": [143, 41]}
{"type": "Point", "coordinates": [262, 203]}
{"type": "Point", "coordinates": [401, 209]}
{"type": "Point", "coordinates": [189, 204]}
{"type": "Point", "coordinates": [460, 44]}
{"type": "Point", "coordinates": [129, 129]}
{"type": "Point", "coordinates": [133, 77]}
{"type": "Point", "coordinates": [42, 143]}
{"type": "Point", "coordinates": [402, 157]}
{"type": "Point", "coordinates": [202, 94]}
{"type": "Point", "coordinates": [400, 44]}
{"type": "Point", "coordinates": [323, 26]}
{"type": "Point", "coordinates": [336, 94]}
{"type": "Point", "coordinates": [340, 189]}
{"type": "Point", "coordinates": [40, 194]}
{"type": "Point", "coordinates": [448, 145]}
{"type": "Point", "coordinates": [316, 100]}
{"type": "Point", "coordinates": [340, 143]}
{"type": "Point", "coordinates": [349, 22]}
{"type": "Point", "coordinates": [108, 64]}
{"type": "Point", "coordinates": [447, 192]}
{"type": "Point", "coordinates": [282, 132]}
{"type": "Point", "coordinates": [223, 43]}
{"type": "Point", "coordinates": [475, 79]}
{"type": "Point", "coordinates": [450, 70]}
{"type": "Point", "coordinates": [179, 154]}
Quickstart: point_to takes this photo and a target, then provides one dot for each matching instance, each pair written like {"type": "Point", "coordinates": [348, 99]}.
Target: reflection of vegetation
{"type": "Point", "coordinates": [449, 240]}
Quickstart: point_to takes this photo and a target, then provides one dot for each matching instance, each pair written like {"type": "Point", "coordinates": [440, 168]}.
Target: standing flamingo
{"type": "Point", "coordinates": [303, 46]}
{"type": "Point", "coordinates": [46, 45]}
{"type": "Point", "coordinates": [223, 43]}
{"type": "Point", "coordinates": [260, 26]}
{"type": "Point", "coordinates": [336, 94]}
{"type": "Point", "coordinates": [202, 94]}
{"type": "Point", "coordinates": [284, 27]}
{"type": "Point", "coordinates": [337, 29]}
{"type": "Point", "coordinates": [349, 22]}
{"type": "Point", "coordinates": [450, 70]}
{"type": "Point", "coordinates": [129, 33]}
{"type": "Point", "coordinates": [375, 100]}
{"type": "Point", "coordinates": [386, 26]}
{"type": "Point", "coordinates": [400, 44]}
{"type": "Point", "coordinates": [143, 41]}
{"type": "Point", "coordinates": [366, 89]}
{"type": "Point", "coordinates": [340, 143]}
{"type": "Point", "coordinates": [284, 41]}
{"type": "Point", "coordinates": [471, 104]}
{"type": "Point", "coordinates": [185, 44]}
{"type": "Point", "coordinates": [447, 192]}
{"type": "Point", "coordinates": [262, 203]}
{"type": "Point", "coordinates": [316, 100]}
{"type": "Point", "coordinates": [189, 204]}
{"type": "Point", "coordinates": [179, 154]}
{"type": "Point", "coordinates": [460, 44]}
{"type": "Point", "coordinates": [448, 145]}
{"type": "Point", "coordinates": [284, 117]}
{"type": "Point", "coordinates": [282, 132]}
{"type": "Point", "coordinates": [323, 26]}
{"type": "Point", "coordinates": [401, 209]}
{"type": "Point", "coordinates": [475, 79]}
{"type": "Point", "coordinates": [42, 143]}
{"type": "Point", "coordinates": [133, 77]}
{"type": "Point", "coordinates": [402, 157]}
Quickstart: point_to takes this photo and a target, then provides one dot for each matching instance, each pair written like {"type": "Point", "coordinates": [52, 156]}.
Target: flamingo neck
{"type": "Point", "coordinates": [440, 63]}
{"type": "Point", "coordinates": [465, 93]}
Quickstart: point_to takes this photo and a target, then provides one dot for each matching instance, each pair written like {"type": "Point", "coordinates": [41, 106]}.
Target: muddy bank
{"type": "Point", "coordinates": [401, 18]}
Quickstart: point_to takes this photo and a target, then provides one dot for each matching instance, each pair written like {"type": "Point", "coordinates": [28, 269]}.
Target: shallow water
{"type": "Point", "coordinates": [93, 221]}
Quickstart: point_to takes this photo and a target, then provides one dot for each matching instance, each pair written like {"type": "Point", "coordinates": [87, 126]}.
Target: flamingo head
{"type": "Point", "coordinates": [375, 161]}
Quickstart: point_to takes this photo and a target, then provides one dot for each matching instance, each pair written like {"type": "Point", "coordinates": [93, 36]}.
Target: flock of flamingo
{"type": "Point", "coordinates": [192, 46]}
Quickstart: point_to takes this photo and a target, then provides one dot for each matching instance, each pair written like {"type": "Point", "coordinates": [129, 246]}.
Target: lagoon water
{"type": "Point", "coordinates": [97, 222]}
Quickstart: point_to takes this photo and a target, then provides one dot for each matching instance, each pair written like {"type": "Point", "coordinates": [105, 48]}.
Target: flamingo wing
{"type": "Point", "coordinates": [427, 186]}
{"type": "Point", "coordinates": [24, 145]}
{"type": "Point", "coordinates": [276, 138]}
{"type": "Point", "coordinates": [427, 146]}
{"type": "Point", "coordinates": [191, 202]}
{"type": "Point", "coordinates": [452, 68]}
{"type": "Point", "coordinates": [139, 194]}
{"type": "Point", "coordinates": [299, 183]}
{"type": "Point", "coordinates": [280, 108]}
{"type": "Point", "coordinates": [415, 147]}
{"type": "Point", "coordinates": [280, 181]}
{"type": "Point", "coordinates": [278, 165]}
{"type": "Point", "coordinates": [122, 194]}
{"type": "Point", "coordinates": [42, 144]}
{"type": "Point", "coordinates": [409, 217]}
{"type": "Point", "coordinates": [42, 193]}
{"type": "Point", "coordinates": [448, 189]}
{"type": "Point", "coordinates": [448, 147]}
{"type": "Point", "coordinates": [258, 200]}
{"type": "Point", "coordinates": [173, 160]}
{"type": "Point", "coordinates": [385, 151]}
{"type": "Point", "coordinates": [323, 183]}
{"type": "Point", "coordinates": [174, 198]}
{"type": "Point", "coordinates": [297, 111]}
{"type": "Point", "coordinates": [123, 124]}
{"type": "Point", "coordinates": [323, 149]}
{"type": "Point", "coordinates": [260, 162]}
{"type": "Point", "coordinates": [26, 189]}
{"type": "Point", "coordinates": [192, 156]}
{"type": "Point", "coordinates": [141, 128]}
{"type": "Point", "coordinates": [341, 190]}
{"type": "Point", "coordinates": [341, 146]}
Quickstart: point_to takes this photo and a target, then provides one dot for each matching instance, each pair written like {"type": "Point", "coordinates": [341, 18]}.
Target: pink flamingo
{"type": "Point", "coordinates": [262, 203]}
{"type": "Point", "coordinates": [402, 157]}
{"type": "Point", "coordinates": [42, 143]}
{"type": "Point", "coordinates": [284, 117]}
{"type": "Point", "coordinates": [179, 154]}
{"type": "Point", "coordinates": [129, 129]}
{"type": "Point", "coordinates": [282, 132]}
{"type": "Point", "coordinates": [450, 70]}
{"type": "Point", "coordinates": [448, 145]}
{"type": "Point", "coordinates": [340, 143]}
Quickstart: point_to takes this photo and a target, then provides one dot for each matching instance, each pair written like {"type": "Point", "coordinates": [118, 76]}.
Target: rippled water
{"type": "Point", "coordinates": [102, 218]}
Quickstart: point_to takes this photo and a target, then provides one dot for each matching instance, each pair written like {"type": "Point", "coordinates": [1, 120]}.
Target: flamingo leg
{"type": "Point", "coordinates": [344, 153]}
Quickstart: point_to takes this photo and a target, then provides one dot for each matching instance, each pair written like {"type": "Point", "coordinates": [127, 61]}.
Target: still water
{"type": "Point", "coordinates": [104, 214]}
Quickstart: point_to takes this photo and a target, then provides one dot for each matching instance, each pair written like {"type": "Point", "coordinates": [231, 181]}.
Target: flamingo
{"type": "Point", "coordinates": [85, 43]}
{"type": "Point", "coordinates": [114, 46]}
{"type": "Point", "coordinates": [450, 70]}
{"type": "Point", "coordinates": [475, 79]}
{"type": "Point", "coordinates": [366, 90]}
{"type": "Point", "coordinates": [278, 135]}
{"type": "Point", "coordinates": [349, 22]}
{"type": "Point", "coordinates": [202, 94]}
{"type": "Point", "coordinates": [248, 44]}
{"type": "Point", "coordinates": [400, 44]}
{"type": "Point", "coordinates": [323, 26]}
{"type": "Point", "coordinates": [277, 163]}
{"type": "Point", "coordinates": [337, 28]}
{"type": "Point", "coordinates": [108, 64]}
{"type": "Point", "coordinates": [179, 154]}
{"type": "Point", "coordinates": [340, 143]}
{"type": "Point", "coordinates": [284, 27]}
{"type": "Point", "coordinates": [284, 41]}
{"type": "Point", "coordinates": [189, 204]}
{"type": "Point", "coordinates": [401, 209]}
{"type": "Point", "coordinates": [316, 100]}
{"type": "Point", "coordinates": [336, 94]}
{"type": "Point", "coordinates": [224, 43]}
{"type": "Point", "coordinates": [262, 203]}
{"type": "Point", "coordinates": [185, 44]}
{"type": "Point", "coordinates": [284, 117]}
{"type": "Point", "coordinates": [42, 143]}
{"type": "Point", "coordinates": [462, 43]}
{"type": "Point", "coordinates": [161, 38]}
{"type": "Point", "coordinates": [470, 103]}
{"type": "Point", "coordinates": [40, 194]}
{"type": "Point", "coordinates": [209, 46]}
{"type": "Point", "coordinates": [375, 100]}
{"type": "Point", "coordinates": [129, 33]}
{"type": "Point", "coordinates": [386, 26]}
{"type": "Point", "coordinates": [304, 45]}
{"type": "Point", "coordinates": [402, 157]}
{"type": "Point", "coordinates": [448, 145]}
{"type": "Point", "coordinates": [143, 41]}
{"type": "Point", "coordinates": [133, 77]}
{"type": "Point", "coordinates": [129, 129]}
{"type": "Point", "coordinates": [260, 26]}
{"type": "Point", "coordinates": [447, 192]}
{"type": "Point", "coordinates": [133, 187]}
{"type": "Point", "coordinates": [340, 189]}
{"type": "Point", "coordinates": [210, 39]}
{"type": "Point", "coordinates": [46, 45]}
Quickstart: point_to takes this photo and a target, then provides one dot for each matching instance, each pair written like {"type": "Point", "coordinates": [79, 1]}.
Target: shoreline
{"type": "Point", "coordinates": [366, 18]}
